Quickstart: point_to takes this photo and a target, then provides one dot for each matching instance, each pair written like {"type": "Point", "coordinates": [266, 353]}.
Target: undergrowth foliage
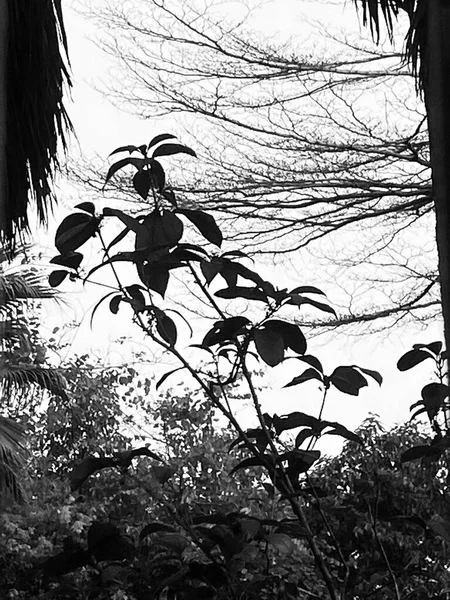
{"type": "Point", "coordinates": [210, 553]}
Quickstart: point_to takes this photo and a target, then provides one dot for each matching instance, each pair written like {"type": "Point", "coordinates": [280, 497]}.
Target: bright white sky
{"type": "Point", "coordinates": [101, 127]}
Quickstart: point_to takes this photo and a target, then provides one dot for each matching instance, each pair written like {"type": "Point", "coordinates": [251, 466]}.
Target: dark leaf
{"type": "Point", "coordinates": [165, 376]}
{"type": "Point", "coordinates": [292, 335]}
{"type": "Point", "coordinates": [440, 527]}
{"type": "Point", "coordinates": [412, 358]}
{"type": "Point", "coordinates": [129, 149]}
{"type": "Point", "coordinates": [162, 230]}
{"type": "Point", "coordinates": [166, 328]}
{"type": "Point", "coordinates": [269, 345]}
{"type": "Point", "coordinates": [433, 396]}
{"type": "Point", "coordinates": [87, 467]}
{"type": "Point", "coordinates": [131, 223]}
{"type": "Point", "coordinates": [57, 277]}
{"type": "Point", "coordinates": [294, 420]}
{"type": "Point", "coordinates": [374, 374]}
{"type": "Point", "coordinates": [142, 182]}
{"type": "Point", "coordinates": [158, 176]}
{"type": "Point", "coordinates": [65, 562]}
{"type": "Point", "coordinates": [169, 149]}
{"type": "Point", "coordinates": [348, 380]}
{"type": "Point", "coordinates": [136, 162]}
{"type": "Point", "coordinates": [155, 527]}
{"type": "Point", "coordinates": [298, 300]}
{"type": "Point", "coordinates": [120, 257]}
{"type": "Point", "coordinates": [230, 267]}
{"type": "Point", "coordinates": [106, 543]}
{"type": "Point", "coordinates": [226, 330]}
{"type": "Point", "coordinates": [303, 435]}
{"type": "Point", "coordinates": [434, 347]}
{"type": "Point", "coordinates": [160, 138]}
{"type": "Point", "coordinates": [205, 223]}
{"type": "Point", "coordinates": [253, 461]}
{"type": "Point", "coordinates": [421, 452]}
{"type": "Point", "coordinates": [117, 239]}
{"type": "Point", "coordinates": [305, 376]}
{"type": "Point", "coordinates": [242, 292]}
{"type": "Point", "coordinates": [306, 289]}
{"type": "Point", "coordinates": [94, 310]}
{"type": "Point", "coordinates": [300, 461]}
{"type": "Point", "coordinates": [137, 297]}
{"type": "Point", "coordinates": [312, 361]}
{"type": "Point", "coordinates": [74, 231]}
{"type": "Point", "coordinates": [210, 269]}
{"type": "Point", "coordinates": [338, 429]}
{"type": "Point", "coordinates": [154, 277]}
{"type": "Point", "coordinates": [87, 207]}
{"type": "Point", "coordinates": [71, 260]}
{"type": "Point", "coordinates": [114, 303]}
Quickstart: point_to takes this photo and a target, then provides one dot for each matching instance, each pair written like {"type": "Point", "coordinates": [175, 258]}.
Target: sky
{"type": "Point", "coordinates": [101, 127]}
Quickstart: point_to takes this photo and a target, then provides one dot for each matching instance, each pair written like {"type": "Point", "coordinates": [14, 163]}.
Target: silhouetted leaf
{"type": "Point", "coordinates": [142, 182]}
{"type": "Point", "coordinates": [348, 380]}
{"type": "Point", "coordinates": [169, 149]}
{"type": "Point", "coordinates": [433, 396]}
{"type": "Point", "coordinates": [412, 358]}
{"type": "Point", "coordinates": [154, 277]}
{"type": "Point", "coordinates": [298, 300]}
{"type": "Point", "coordinates": [71, 260]}
{"type": "Point", "coordinates": [210, 268]}
{"type": "Point", "coordinates": [74, 231]}
{"type": "Point", "coordinates": [305, 376]}
{"type": "Point", "coordinates": [269, 345]}
{"type": "Point", "coordinates": [205, 223]}
{"type": "Point", "coordinates": [303, 435]}
{"type": "Point", "coordinates": [338, 429]}
{"type": "Point", "coordinates": [162, 230]}
{"type": "Point", "coordinates": [306, 289]}
{"type": "Point", "coordinates": [160, 138]}
{"type": "Point", "coordinates": [88, 207]}
{"type": "Point", "coordinates": [87, 467]}
{"type": "Point", "coordinates": [292, 335]}
{"type": "Point", "coordinates": [94, 310]}
{"type": "Point", "coordinates": [242, 292]}
{"type": "Point", "coordinates": [129, 149]}
{"type": "Point", "coordinates": [300, 461]}
{"type": "Point", "coordinates": [312, 361]}
{"type": "Point", "coordinates": [166, 328]}
{"type": "Point", "coordinates": [158, 177]}
{"type": "Point", "coordinates": [294, 420]}
{"type": "Point", "coordinates": [434, 347]}
{"type": "Point", "coordinates": [57, 277]}
{"type": "Point", "coordinates": [135, 162]}
{"type": "Point", "coordinates": [420, 452]}
{"type": "Point", "coordinates": [131, 223]}
{"type": "Point", "coordinates": [374, 374]}
{"type": "Point", "coordinates": [165, 376]}
{"type": "Point", "coordinates": [114, 303]}
{"type": "Point", "coordinates": [225, 330]}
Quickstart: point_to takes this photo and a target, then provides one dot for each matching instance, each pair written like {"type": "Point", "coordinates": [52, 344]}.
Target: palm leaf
{"type": "Point", "coordinates": [12, 453]}
{"type": "Point", "coordinates": [24, 285]}
{"type": "Point", "coordinates": [36, 119]}
{"type": "Point", "coordinates": [15, 378]}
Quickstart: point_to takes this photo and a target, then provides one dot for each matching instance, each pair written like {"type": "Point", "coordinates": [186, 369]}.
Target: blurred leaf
{"type": "Point", "coordinates": [281, 542]}
{"type": "Point", "coordinates": [440, 527]}
{"type": "Point", "coordinates": [312, 361]}
{"type": "Point", "coordinates": [416, 452]}
{"type": "Point", "coordinates": [166, 328]}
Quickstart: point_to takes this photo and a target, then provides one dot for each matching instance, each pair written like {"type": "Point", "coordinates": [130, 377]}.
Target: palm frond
{"type": "Point", "coordinates": [376, 11]}
{"type": "Point", "coordinates": [14, 378]}
{"type": "Point", "coordinates": [23, 286]}
{"type": "Point", "coordinates": [12, 452]}
{"type": "Point", "coordinates": [36, 75]}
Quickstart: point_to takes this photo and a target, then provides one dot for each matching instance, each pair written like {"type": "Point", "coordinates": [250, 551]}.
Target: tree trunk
{"type": "Point", "coordinates": [437, 100]}
{"type": "Point", "coordinates": [3, 100]}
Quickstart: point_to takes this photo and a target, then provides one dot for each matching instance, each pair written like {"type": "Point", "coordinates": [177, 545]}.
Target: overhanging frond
{"type": "Point", "coordinates": [14, 378]}
{"type": "Point", "coordinates": [24, 285]}
{"type": "Point", "coordinates": [36, 74]}
{"type": "Point", "coordinates": [10, 486]}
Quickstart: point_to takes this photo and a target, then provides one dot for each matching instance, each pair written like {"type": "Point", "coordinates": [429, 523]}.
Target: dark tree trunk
{"type": "Point", "coordinates": [437, 99]}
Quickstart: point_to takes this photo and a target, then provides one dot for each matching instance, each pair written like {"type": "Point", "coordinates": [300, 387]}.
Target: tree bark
{"type": "Point", "coordinates": [3, 105]}
{"type": "Point", "coordinates": [437, 100]}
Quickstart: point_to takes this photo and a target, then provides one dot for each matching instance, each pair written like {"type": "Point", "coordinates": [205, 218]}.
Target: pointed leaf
{"type": "Point", "coordinates": [303, 435]}
{"type": "Point", "coordinates": [210, 269]}
{"type": "Point", "coordinates": [158, 176]}
{"type": "Point", "coordinates": [129, 149]}
{"type": "Point", "coordinates": [305, 376]}
{"type": "Point", "coordinates": [226, 330]}
{"type": "Point", "coordinates": [166, 328]}
{"type": "Point", "coordinates": [155, 527]}
{"type": "Point", "coordinates": [142, 182]}
{"type": "Point", "coordinates": [74, 231]}
{"type": "Point", "coordinates": [269, 345]}
{"type": "Point", "coordinates": [374, 374]}
{"type": "Point", "coordinates": [348, 380]}
{"type": "Point", "coordinates": [434, 347]}
{"type": "Point", "coordinates": [136, 162]}
{"type": "Point", "coordinates": [242, 292]}
{"type": "Point", "coordinates": [160, 138]}
{"type": "Point", "coordinates": [306, 289]}
{"type": "Point", "coordinates": [298, 300]}
{"type": "Point", "coordinates": [118, 239]}
{"type": "Point", "coordinates": [165, 376]}
{"type": "Point", "coordinates": [342, 431]}
{"type": "Point", "coordinates": [294, 420]}
{"type": "Point", "coordinates": [292, 335]}
{"type": "Point", "coordinates": [205, 223]}
{"type": "Point", "coordinates": [312, 361]}
{"type": "Point", "coordinates": [169, 149]}
{"type": "Point", "coordinates": [97, 306]}
{"type": "Point", "coordinates": [412, 358]}
{"type": "Point", "coordinates": [253, 461]}
{"type": "Point", "coordinates": [57, 277]}
{"type": "Point", "coordinates": [420, 452]}
{"type": "Point", "coordinates": [131, 223]}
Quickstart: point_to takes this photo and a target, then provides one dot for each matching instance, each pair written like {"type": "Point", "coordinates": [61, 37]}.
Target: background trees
{"type": "Point", "coordinates": [302, 147]}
